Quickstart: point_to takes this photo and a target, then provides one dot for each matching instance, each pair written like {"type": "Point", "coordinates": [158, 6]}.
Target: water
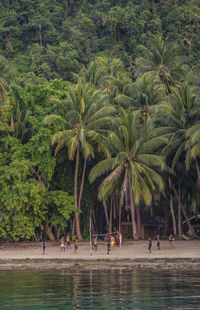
{"type": "Point", "coordinates": [100, 289]}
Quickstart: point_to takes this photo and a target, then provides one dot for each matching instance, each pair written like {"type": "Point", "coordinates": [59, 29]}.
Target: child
{"type": "Point", "coordinates": [112, 243]}
{"type": "Point", "coordinates": [120, 240]}
{"type": "Point", "coordinates": [150, 245]}
{"type": "Point", "coordinates": [43, 247]}
{"type": "Point", "coordinates": [171, 239]}
{"type": "Point", "coordinates": [62, 244]}
{"type": "Point", "coordinates": [76, 246]}
{"type": "Point", "coordinates": [108, 247]}
{"type": "Point", "coordinates": [158, 241]}
{"type": "Point", "coordinates": [95, 244]}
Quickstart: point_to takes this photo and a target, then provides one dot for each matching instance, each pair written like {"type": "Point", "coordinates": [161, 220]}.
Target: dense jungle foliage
{"type": "Point", "coordinates": [99, 116]}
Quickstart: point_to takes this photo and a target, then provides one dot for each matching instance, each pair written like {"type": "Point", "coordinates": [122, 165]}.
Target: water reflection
{"type": "Point", "coordinates": [100, 289]}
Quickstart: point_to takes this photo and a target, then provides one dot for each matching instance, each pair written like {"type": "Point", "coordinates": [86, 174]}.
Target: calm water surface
{"type": "Point", "coordinates": [100, 289]}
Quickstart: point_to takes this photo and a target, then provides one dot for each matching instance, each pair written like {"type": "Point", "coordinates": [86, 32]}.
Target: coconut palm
{"type": "Point", "coordinates": [87, 115]}
{"type": "Point", "coordinates": [177, 114]}
{"type": "Point", "coordinates": [134, 167]}
{"type": "Point", "coordinates": [101, 68]}
{"type": "Point", "coordinates": [149, 93]}
{"type": "Point", "coordinates": [193, 148]}
{"type": "Point", "coordinates": [159, 59]}
{"type": "Point", "coordinates": [4, 75]}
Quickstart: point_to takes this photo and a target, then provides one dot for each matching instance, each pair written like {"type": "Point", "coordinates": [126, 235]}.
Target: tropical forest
{"type": "Point", "coordinates": [99, 118]}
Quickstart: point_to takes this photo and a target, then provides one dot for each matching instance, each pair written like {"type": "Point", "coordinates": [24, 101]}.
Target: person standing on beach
{"type": "Point", "coordinates": [171, 241]}
{"type": "Point", "coordinates": [108, 246]}
{"type": "Point", "coordinates": [120, 240]}
{"type": "Point", "coordinates": [76, 246]}
{"type": "Point", "coordinates": [158, 241]}
{"type": "Point", "coordinates": [62, 244]}
{"type": "Point", "coordinates": [95, 244]}
{"type": "Point", "coordinates": [68, 241]}
{"type": "Point", "coordinates": [112, 243]}
{"type": "Point", "coordinates": [117, 239]}
{"type": "Point", "coordinates": [150, 245]}
{"type": "Point", "coordinates": [43, 247]}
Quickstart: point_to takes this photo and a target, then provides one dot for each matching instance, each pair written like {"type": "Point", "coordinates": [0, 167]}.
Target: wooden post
{"type": "Point", "coordinates": [90, 233]}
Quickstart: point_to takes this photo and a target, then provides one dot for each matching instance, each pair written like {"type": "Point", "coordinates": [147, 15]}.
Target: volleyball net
{"type": "Point", "coordinates": [104, 236]}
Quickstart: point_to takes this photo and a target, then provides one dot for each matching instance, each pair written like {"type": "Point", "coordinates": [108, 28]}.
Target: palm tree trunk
{"type": "Point", "coordinates": [151, 207]}
{"type": "Point", "coordinates": [77, 215]}
{"type": "Point", "coordinates": [179, 212]}
{"type": "Point", "coordinates": [117, 210]}
{"type": "Point", "coordinates": [184, 212]}
{"type": "Point", "coordinates": [110, 222]}
{"type": "Point", "coordinates": [120, 210]}
{"type": "Point", "coordinates": [173, 216]}
{"type": "Point", "coordinates": [73, 226]}
{"type": "Point", "coordinates": [134, 230]}
{"type": "Point", "coordinates": [138, 222]}
{"type": "Point", "coordinates": [198, 171]}
{"type": "Point", "coordinates": [160, 207]}
{"type": "Point", "coordinates": [166, 214]}
{"type": "Point", "coordinates": [82, 184]}
{"type": "Point", "coordinates": [172, 210]}
{"type": "Point", "coordinates": [106, 213]}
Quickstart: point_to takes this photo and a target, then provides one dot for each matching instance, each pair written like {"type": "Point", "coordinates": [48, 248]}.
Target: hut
{"type": "Point", "coordinates": [195, 222]}
{"type": "Point", "coordinates": [149, 227]}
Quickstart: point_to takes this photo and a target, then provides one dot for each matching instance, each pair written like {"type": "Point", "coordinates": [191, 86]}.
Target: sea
{"type": "Point", "coordinates": [125, 288]}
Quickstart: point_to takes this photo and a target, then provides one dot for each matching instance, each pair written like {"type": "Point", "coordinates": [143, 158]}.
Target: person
{"type": "Point", "coordinates": [112, 243]}
{"type": "Point", "coordinates": [108, 246]}
{"type": "Point", "coordinates": [43, 247]}
{"type": "Point", "coordinates": [150, 245]}
{"type": "Point", "coordinates": [62, 244]}
{"type": "Point", "coordinates": [171, 239]}
{"type": "Point", "coordinates": [68, 241]}
{"type": "Point", "coordinates": [95, 243]}
{"type": "Point", "coordinates": [158, 241]}
{"type": "Point", "coordinates": [76, 246]}
{"type": "Point", "coordinates": [117, 239]}
{"type": "Point", "coordinates": [120, 240]}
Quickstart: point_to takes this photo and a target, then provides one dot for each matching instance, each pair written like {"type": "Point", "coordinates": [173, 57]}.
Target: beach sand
{"type": "Point", "coordinates": [130, 250]}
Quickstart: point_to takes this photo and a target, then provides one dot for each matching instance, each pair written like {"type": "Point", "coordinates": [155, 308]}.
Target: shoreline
{"type": "Point", "coordinates": [99, 264]}
{"type": "Point", "coordinates": [133, 254]}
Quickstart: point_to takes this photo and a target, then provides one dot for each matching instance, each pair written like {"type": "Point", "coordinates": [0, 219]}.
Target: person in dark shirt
{"type": "Point", "coordinates": [108, 247]}
{"type": "Point", "coordinates": [158, 241]}
{"type": "Point", "coordinates": [150, 245]}
{"type": "Point", "coordinates": [43, 247]}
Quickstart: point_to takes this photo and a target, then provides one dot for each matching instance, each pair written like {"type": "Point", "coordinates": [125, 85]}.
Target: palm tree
{"type": "Point", "coordinates": [159, 59]}
{"type": "Point", "coordinates": [101, 68]}
{"type": "Point", "coordinates": [177, 114]}
{"type": "Point", "coordinates": [134, 167]}
{"type": "Point", "coordinates": [87, 115]}
{"type": "Point", "coordinates": [20, 120]}
{"type": "Point", "coordinates": [4, 75]}
{"type": "Point", "coordinates": [149, 93]}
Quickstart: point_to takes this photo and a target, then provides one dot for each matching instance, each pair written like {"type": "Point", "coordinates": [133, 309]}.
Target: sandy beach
{"type": "Point", "coordinates": [130, 251]}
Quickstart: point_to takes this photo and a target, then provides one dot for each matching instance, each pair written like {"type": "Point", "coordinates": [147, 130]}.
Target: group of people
{"type": "Point", "coordinates": [68, 244]}
{"type": "Point", "coordinates": [110, 240]}
{"type": "Point", "coordinates": [171, 242]}
{"type": "Point", "coordinates": [63, 244]}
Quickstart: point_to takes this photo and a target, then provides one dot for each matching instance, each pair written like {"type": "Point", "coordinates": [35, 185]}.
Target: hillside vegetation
{"type": "Point", "coordinates": [99, 116]}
